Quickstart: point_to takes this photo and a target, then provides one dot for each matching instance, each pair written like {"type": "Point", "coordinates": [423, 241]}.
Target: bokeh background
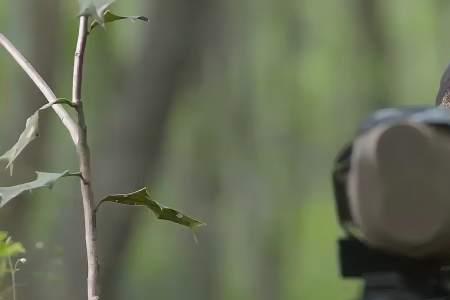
{"type": "Point", "coordinates": [229, 110]}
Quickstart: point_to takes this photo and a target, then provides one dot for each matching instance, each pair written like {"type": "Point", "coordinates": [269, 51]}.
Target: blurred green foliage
{"type": "Point", "coordinates": [8, 249]}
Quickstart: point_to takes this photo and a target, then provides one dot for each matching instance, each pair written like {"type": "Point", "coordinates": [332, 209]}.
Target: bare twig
{"type": "Point", "coordinates": [85, 165]}
{"type": "Point", "coordinates": [59, 101]}
{"type": "Point", "coordinates": [68, 122]}
{"type": "Point", "coordinates": [79, 60]}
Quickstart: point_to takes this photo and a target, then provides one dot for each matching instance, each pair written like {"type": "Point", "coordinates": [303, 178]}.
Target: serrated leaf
{"type": "Point", "coordinates": [109, 17]}
{"type": "Point", "coordinates": [28, 135]}
{"type": "Point", "coordinates": [142, 198]}
{"type": "Point", "coordinates": [43, 180]}
{"type": "Point", "coordinates": [94, 8]}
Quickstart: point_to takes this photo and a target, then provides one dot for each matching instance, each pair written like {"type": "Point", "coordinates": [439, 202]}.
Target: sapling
{"type": "Point", "coordinates": [93, 14]}
{"type": "Point", "coordinates": [8, 263]}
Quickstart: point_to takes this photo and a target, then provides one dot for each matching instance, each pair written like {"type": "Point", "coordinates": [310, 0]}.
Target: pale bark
{"type": "Point", "coordinates": [85, 165]}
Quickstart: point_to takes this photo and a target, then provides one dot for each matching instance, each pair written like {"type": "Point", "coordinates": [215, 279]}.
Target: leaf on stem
{"type": "Point", "coordinates": [27, 136]}
{"type": "Point", "coordinates": [94, 8]}
{"type": "Point", "coordinates": [109, 17]}
{"type": "Point", "coordinates": [43, 180]}
{"type": "Point", "coordinates": [142, 198]}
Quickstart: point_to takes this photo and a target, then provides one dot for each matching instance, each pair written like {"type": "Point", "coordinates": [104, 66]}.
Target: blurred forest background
{"type": "Point", "coordinates": [231, 111]}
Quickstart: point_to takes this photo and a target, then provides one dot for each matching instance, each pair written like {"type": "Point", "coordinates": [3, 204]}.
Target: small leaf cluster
{"type": "Point", "coordinates": [8, 249]}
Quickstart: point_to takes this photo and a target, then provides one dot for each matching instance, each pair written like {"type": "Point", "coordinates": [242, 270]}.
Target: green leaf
{"type": "Point", "coordinates": [142, 198]}
{"type": "Point", "coordinates": [11, 249]}
{"type": "Point", "coordinates": [109, 17]}
{"type": "Point", "coordinates": [94, 8]}
{"type": "Point", "coordinates": [42, 180]}
{"type": "Point", "coordinates": [28, 135]}
{"type": "Point", "coordinates": [8, 248]}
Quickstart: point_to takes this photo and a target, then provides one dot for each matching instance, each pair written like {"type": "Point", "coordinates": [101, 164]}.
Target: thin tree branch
{"type": "Point", "coordinates": [85, 166]}
{"type": "Point", "coordinates": [66, 119]}
{"type": "Point", "coordinates": [79, 60]}
{"type": "Point", "coordinates": [76, 174]}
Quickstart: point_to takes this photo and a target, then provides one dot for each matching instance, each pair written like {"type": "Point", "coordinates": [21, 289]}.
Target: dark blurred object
{"type": "Point", "coordinates": [391, 195]}
{"type": "Point", "coordinates": [392, 277]}
{"type": "Point", "coordinates": [390, 183]}
{"type": "Point", "coordinates": [385, 178]}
